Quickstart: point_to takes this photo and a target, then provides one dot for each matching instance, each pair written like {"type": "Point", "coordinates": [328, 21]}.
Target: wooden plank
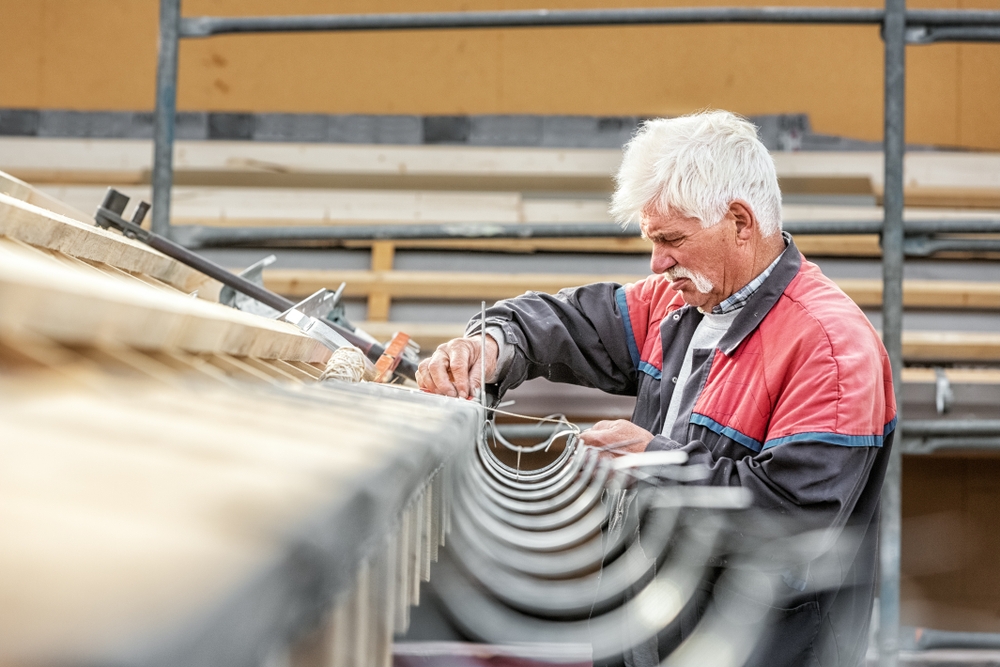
{"type": "Point", "coordinates": [39, 227]}
{"type": "Point", "coordinates": [276, 206]}
{"type": "Point", "coordinates": [442, 285]}
{"type": "Point", "coordinates": [455, 285]}
{"type": "Point", "coordinates": [954, 375]}
{"type": "Point", "coordinates": [18, 189]}
{"type": "Point", "coordinates": [79, 305]}
{"type": "Point", "coordinates": [633, 245]}
{"type": "Point", "coordinates": [918, 346]}
{"type": "Point", "coordinates": [927, 293]}
{"type": "Point", "coordinates": [379, 301]}
{"type": "Point", "coordinates": [944, 346]}
{"type": "Point", "coordinates": [311, 165]}
{"type": "Point", "coordinates": [432, 167]}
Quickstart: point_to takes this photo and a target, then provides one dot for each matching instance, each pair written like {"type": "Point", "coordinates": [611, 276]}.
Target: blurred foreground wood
{"type": "Point", "coordinates": [177, 485]}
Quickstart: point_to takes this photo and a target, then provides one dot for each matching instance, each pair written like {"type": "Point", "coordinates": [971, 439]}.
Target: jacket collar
{"type": "Point", "coordinates": [760, 302]}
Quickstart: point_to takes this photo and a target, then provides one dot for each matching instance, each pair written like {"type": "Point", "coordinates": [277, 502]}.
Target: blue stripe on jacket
{"type": "Point", "coordinates": [622, 302]}
{"type": "Point", "coordinates": [817, 436]}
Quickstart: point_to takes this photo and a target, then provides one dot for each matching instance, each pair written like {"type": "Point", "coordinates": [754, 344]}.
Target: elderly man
{"type": "Point", "coordinates": [740, 352]}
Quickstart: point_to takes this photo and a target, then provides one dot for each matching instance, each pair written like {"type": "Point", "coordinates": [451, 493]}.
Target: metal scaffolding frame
{"type": "Point", "coordinates": [899, 27]}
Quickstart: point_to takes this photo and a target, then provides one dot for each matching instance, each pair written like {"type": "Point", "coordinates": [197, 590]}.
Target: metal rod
{"type": "Point", "coordinates": [927, 246]}
{"type": "Point", "coordinates": [166, 109]}
{"type": "Point", "coordinates": [952, 16]}
{"type": "Point", "coordinates": [482, 358]}
{"type": "Point", "coordinates": [206, 26]}
{"type": "Point", "coordinates": [926, 428]}
{"type": "Point", "coordinates": [953, 33]}
{"type": "Point", "coordinates": [172, 249]}
{"type": "Point", "coordinates": [894, 37]}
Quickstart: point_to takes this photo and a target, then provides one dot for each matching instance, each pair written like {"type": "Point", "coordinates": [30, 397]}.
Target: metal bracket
{"type": "Point", "coordinates": [109, 216]}
{"type": "Point", "coordinates": [240, 301]}
{"type": "Point", "coordinates": [943, 394]}
{"type": "Point", "coordinates": [312, 326]}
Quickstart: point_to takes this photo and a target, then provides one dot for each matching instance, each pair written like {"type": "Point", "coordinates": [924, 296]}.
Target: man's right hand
{"type": "Point", "coordinates": [454, 368]}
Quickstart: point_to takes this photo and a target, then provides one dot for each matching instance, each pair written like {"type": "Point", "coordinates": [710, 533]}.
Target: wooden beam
{"type": "Point", "coordinates": [77, 304]}
{"type": "Point", "coordinates": [954, 347]}
{"type": "Point", "coordinates": [383, 253]}
{"type": "Point", "coordinates": [455, 285]}
{"type": "Point", "coordinates": [933, 178]}
{"type": "Point", "coordinates": [40, 227]}
{"type": "Point", "coordinates": [18, 189]}
{"type": "Point", "coordinates": [918, 346]}
{"type": "Point", "coordinates": [928, 293]}
{"type": "Point", "coordinates": [442, 285]}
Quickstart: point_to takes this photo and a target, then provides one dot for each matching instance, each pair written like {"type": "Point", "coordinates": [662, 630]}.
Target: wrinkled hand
{"type": "Point", "coordinates": [454, 368]}
{"type": "Point", "coordinates": [617, 437]}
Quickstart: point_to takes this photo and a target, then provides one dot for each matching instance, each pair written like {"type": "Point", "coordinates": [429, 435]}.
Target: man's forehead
{"type": "Point", "coordinates": [664, 223]}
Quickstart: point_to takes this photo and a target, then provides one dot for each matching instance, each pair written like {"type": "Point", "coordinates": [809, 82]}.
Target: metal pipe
{"type": "Point", "coordinates": [952, 16]}
{"type": "Point", "coordinates": [930, 445]}
{"type": "Point", "coordinates": [163, 121]}
{"type": "Point", "coordinates": [205, 26]}
{"type": "Point", "coordinates": [952, 33]}
{"type": "Point", "coordinates": [927, 428]}
{"type": "Point", "coordinates": [200, 236]}
{"type": "Point", "coordinates": [925, 247]}
{"type": "Point", "coordinates": [894, 37]}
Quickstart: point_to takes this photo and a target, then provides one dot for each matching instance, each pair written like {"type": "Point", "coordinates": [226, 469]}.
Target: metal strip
{"type": "Point", "coordinates": [205, 26]}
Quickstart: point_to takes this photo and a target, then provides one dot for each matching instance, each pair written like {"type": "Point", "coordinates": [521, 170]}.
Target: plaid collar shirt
{"type": "Point", "coordinates": [739, 297]}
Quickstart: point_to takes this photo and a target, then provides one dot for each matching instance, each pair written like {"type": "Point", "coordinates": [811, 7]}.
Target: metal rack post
{"type": "Point", "coordinates": [894, 40]}
{"type": "Point", "coordinates": [164, 119]}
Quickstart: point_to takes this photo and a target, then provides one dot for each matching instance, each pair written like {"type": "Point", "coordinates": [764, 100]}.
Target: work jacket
{"type": "Point", "coordinates": [795, 404]}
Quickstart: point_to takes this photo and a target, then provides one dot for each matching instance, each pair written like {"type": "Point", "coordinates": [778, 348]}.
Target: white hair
{"type": "Point", "coordinates": [696, 166]}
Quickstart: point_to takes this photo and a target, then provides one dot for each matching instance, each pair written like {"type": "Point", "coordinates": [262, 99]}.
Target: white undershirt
{"type": "Point", "coordinates": [710, 331]}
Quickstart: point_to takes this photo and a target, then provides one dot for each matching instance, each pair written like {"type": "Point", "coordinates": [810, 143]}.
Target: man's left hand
{"type": "Point", "coordinates": [617, 437]}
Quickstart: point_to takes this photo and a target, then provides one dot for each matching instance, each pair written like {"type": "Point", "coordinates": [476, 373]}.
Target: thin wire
{"type": "Point", "coordinates": [482, 356]}
{"type": "Point", "coordinates": [551, 418]}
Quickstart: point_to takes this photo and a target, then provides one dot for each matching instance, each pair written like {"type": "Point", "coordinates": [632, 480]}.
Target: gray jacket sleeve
{"type": "Point", "coordinates": [575, 336]}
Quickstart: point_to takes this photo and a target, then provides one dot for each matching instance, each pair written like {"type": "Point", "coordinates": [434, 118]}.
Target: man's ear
{"type": "Point", "coordinates": [746, 221]}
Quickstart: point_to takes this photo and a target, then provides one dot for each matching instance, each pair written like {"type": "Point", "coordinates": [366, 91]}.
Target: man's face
{"type": "Point", "coordinates": [696, 260]}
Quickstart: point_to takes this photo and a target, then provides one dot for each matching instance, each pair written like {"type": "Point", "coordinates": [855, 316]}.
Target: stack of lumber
{"type": "Point", "coordinates": [272, 184]}
{"type": "Point", "coordinates": [241, 184]}
{"type": "Point", "coordinates": [176, 484]}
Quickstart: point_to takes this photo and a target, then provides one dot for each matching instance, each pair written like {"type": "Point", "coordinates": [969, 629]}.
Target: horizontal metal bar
{"type": "Point", "coordinates": [911, 227]}
{"type": "Point", "coordinates": [200, 236]}
{"type": "Point", "coordinates": [938, 444]}
{"type": "Point", "coordinates": [926, 428]}
{"type": "Point", "coordinates": [927, 246]}
{"type": "Point", "coordinates": [205, 26]}
{"type": "Point", "coordinates": [952, 17]}
{"type": "Point", "coordinates": [953, 33]}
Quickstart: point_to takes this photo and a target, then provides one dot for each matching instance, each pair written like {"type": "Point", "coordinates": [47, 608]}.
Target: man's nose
{"type": "Point", "coordinates": [661, 260]}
